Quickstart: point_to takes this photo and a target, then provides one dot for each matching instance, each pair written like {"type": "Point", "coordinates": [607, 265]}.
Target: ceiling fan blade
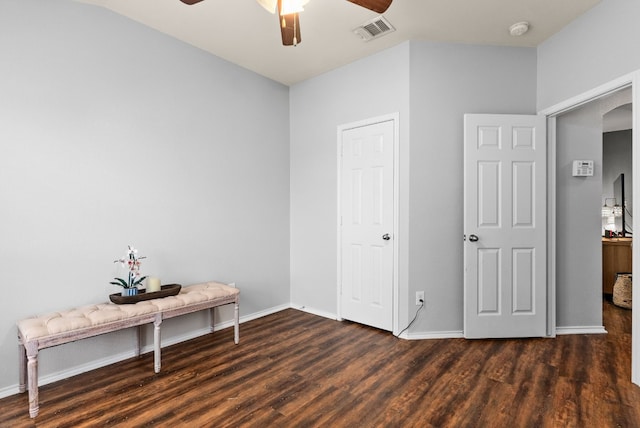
{"type": "Point", "coordinates": [190, 1]}
{"type": "Point", "coordinates": [289, 27]}
{"type": "Point", "coordinates": [379, 6]}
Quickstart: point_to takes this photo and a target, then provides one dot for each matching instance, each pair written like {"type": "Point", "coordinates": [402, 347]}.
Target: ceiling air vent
{"type": "Point", "coordinates": [375, 28]}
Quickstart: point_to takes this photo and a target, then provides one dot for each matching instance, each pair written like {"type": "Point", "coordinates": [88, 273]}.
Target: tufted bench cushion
{"type": "Point", "coordinates": [84, 317]}
{"type": "Point", "coordinates": [48, 326]}
{"type": "Point", "coordinates": [195, 294]}
{"type": "Point", "coordinates": [61, 327]}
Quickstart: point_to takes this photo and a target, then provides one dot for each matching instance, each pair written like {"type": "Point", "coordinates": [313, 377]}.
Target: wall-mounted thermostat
{"type": "Point", "coordinates": [582, 168]}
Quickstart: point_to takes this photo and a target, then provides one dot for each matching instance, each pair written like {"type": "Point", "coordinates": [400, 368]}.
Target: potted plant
{"type": "Point", "coordinates": [131, 262]}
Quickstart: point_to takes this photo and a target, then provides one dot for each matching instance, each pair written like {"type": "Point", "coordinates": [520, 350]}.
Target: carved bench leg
{"type": "Point", "coordinates": [212, 318]}
{"type": "Point", "coordinates": [138, 340]}
{"type": "Point", "coordinates": [236, 321]}
{"type": "Point", "coordinates": [32, 375]}
{"type": "Point", "coordinates": [156, 344]}
{"type": "Point", "coordinates": [22, 367]}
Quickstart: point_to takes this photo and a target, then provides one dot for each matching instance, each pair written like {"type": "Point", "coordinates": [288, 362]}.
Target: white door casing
{"type": "Point", "coordinates": [628, 80]}
{"type": "Point", "coordinates": [367, 223]}
{"type": "Point", "coordinates": [505, 291]}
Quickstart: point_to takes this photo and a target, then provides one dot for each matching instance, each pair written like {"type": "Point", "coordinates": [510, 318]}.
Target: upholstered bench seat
{"type": "Point", "coordinates": [57, 328]}
{"type": "Point", "coordinates": [195, 294]}
{"type": "Point", "coordinates": [46, 327]}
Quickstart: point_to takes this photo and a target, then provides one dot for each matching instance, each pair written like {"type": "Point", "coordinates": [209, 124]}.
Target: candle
{"type": "Point", "coordinates": [153, 284]}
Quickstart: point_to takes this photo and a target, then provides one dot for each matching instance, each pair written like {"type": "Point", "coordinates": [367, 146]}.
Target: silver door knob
{"type": "Point", "coordinates": [473, 238]}
{"type": "Point", "coordinates": [386, 237]}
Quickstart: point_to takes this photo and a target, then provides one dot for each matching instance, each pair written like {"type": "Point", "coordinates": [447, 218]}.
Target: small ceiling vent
{"type": "Point", "coordinates": [375, 28]}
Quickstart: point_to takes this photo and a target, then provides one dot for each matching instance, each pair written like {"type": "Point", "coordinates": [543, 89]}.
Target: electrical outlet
{"type": "Point", "coordinates": [419, 297]}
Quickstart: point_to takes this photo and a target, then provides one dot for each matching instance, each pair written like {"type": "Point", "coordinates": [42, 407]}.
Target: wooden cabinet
{"type": "Point", "coordinates": [616, 257]}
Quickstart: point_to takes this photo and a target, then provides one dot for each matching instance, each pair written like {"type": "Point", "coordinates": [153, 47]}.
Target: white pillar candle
{"type": "Point", "coordinates": [153, 284]}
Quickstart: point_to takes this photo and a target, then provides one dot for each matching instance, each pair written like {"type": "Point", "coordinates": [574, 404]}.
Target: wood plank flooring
{"type": "Point", "coordinates": [293, 369]}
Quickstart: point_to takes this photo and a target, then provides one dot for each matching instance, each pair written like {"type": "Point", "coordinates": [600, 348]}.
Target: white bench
{"type": "Point", "coordinates": [58, 328]}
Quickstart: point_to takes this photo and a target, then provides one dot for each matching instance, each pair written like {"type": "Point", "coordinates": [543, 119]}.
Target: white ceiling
{"type": "Point", "coordinates": [242, 32]}
{"type": "Point", "coordinates": [618, 119]}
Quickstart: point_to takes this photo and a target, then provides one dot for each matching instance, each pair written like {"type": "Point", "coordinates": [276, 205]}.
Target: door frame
{"type": "Point", "coordinates": [395, 118]}
{"type": "Point", "coordinates": [629, 80]}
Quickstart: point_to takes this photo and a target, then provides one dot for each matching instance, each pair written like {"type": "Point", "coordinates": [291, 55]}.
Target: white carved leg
{"type": "Point", "coordinates": [156, 344]}
{"type": "Point", "coordinates": [212, 316]}
{"type": "Point", "coordinates": [22, 367]}
{"type": "Point", "coordinates": [32, 375]}
{"type": "Point", "coordinates": [236, 320]}
{"type": "Point", "coordinates": [138, 340]}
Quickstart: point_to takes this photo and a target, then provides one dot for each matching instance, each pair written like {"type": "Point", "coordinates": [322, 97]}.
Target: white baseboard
{"type": "Point", "coordinates": [409, 336]}
{"type": "Point", "coordinates": [73, 371]}
{"type": "Point", "coordinates": [454, 334]}
{"type": "Point", "coordinates": [460, 334]}
{"type": "Point", "coordinates": [8, 391]}
{"type": "Point", "coordinates": [314, 311]}
{"type": "Point", "coordinates": [112, 359]}
{"type": "Point", "coordinates": [257, 315]}
{"type": "Point", "coordinates": [588, 329]}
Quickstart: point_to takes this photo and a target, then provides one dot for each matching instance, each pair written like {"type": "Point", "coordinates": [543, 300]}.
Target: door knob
{"type": "Point", "coordinates": [473, 238]}
{"type": "Point", "coordinates": [386, 237]}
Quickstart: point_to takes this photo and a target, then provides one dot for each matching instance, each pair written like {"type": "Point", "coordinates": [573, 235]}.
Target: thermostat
{"type": "Point", "coordinates": [582, 168]}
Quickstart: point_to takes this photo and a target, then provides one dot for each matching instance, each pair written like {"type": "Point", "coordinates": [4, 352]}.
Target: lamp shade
{"type": "Point", "coordinates": [269, 5]}
{"type": "Point", "coordinates": [617, 210]}
{"type": "Point", "coordinates": [292, 6]}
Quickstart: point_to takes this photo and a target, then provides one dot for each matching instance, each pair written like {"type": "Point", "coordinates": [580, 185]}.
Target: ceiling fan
{"type": "Point", "coordinates": [288, 14]}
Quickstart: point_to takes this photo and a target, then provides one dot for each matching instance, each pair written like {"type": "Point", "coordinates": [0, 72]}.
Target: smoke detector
{"type": "Point", "coordinates": [519, 28]}
{"type": "Point", "coordinates": [377, 27]}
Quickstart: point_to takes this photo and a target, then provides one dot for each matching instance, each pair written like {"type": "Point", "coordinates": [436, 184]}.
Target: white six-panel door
{"type": "Point", "coordinates": [366, 229]}
{"type": "Point", "coordinates": [505, 226]}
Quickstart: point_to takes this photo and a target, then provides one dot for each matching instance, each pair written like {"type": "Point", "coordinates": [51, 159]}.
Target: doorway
{"type": "Point", "coordinates": [579, 198]}
{"type": "Point", "coordinates": [560, 171]}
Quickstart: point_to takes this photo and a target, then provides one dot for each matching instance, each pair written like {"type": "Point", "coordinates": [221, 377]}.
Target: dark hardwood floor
{"type": "Point", "coordinates": [293, 369]}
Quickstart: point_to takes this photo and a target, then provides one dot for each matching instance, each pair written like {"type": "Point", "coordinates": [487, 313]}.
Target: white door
{"type": "Point", "coordinates": [505, 290]}
{"type": "Point", "coordinates": [366, 229]}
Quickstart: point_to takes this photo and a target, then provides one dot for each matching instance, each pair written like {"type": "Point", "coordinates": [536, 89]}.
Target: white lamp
{"type": "Point", "coordinates": [292, 6]}
{"type": "Point", "coordinates": [610, 211]}
{"type": "Point", "coordinates": [617, 210]}
{"type": "Point", "coordinates": [269, 5]}
{"type": "Point", "coordinates": [611, 224]}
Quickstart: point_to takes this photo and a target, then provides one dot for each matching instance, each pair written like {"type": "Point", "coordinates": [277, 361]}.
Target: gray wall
{"type": "Point", "coordinates": [578, 217]}
{"type": "Point", "coordinates": [375, 86]}
{"type": "Point", "coordinates": [596, 48]}
{"type": "Point", "coordinates": [447, 81]}
{"type": "Point", "coordinates": [444, 81]}
{"type": "Point", "coordinates": [113, 134]}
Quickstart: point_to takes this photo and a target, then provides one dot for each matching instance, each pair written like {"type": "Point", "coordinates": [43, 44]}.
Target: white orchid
{"type": "Point", "coordinates": [131, 262]}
